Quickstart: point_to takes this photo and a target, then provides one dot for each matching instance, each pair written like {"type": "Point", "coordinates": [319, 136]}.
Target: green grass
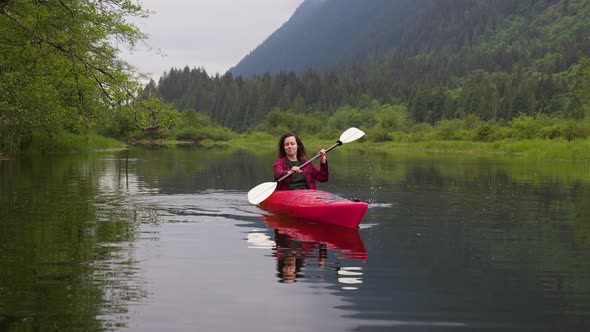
{"type": "Point", "coordinates": [534, 149]}
{"type": "Point", "coordinates": [172, 143]}
{"type": "Point", "coordinates": [538, 149]}
{"type": "Point", "coordinates": [64, 142]}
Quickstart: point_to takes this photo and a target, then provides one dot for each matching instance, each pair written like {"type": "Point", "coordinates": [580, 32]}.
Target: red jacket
{"type": "Point", "coordinates": [312, 173]}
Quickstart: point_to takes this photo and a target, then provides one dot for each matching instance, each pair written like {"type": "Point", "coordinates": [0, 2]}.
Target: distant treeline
{"type": "Point", "coordinates": [418, 83]}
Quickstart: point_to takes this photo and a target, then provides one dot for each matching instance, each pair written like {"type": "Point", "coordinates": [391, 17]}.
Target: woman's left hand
{"type": "Point", "coordinates": [323, 159]}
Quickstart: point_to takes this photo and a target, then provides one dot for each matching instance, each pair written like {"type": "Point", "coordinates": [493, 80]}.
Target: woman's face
{"type": "Point", "coordinates": [290, 146]}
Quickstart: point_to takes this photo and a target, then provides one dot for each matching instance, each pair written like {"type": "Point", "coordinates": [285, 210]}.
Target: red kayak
{"type": "Point", "coordinates": [316, 205]}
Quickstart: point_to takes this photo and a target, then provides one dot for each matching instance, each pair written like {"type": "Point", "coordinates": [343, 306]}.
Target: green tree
{"type": "Point", "coordinates": [59, 68]}
{"type": "Point", "coordinates": [191, 118]}
{"type": "Point", "coordinates": [582, 90]}
{"type": "Point", "coordinates": [155, 118]}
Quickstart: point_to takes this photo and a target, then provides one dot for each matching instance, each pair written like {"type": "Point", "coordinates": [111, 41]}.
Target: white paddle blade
{"type": "Point", "coordinates": [261, 192]}
{"type": "Point", "coordinates": [351, 134]}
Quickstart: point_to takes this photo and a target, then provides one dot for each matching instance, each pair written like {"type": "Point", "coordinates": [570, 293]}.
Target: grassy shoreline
{"type": "Point", "coordinates": [578, 150]}
{"type": "Point", "coordinates": [536, 149]}
{"type": "Point", "coordinates": [540, 149]}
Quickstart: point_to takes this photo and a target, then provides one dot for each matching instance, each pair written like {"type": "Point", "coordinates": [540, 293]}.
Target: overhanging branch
{"type": "Point", "coordinates": [92, 68]}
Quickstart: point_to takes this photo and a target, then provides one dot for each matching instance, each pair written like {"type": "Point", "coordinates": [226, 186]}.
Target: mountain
{"type": "Point", "coordinates": [439, 59]}
{"type": "Point", "coordinates": [325, 33]}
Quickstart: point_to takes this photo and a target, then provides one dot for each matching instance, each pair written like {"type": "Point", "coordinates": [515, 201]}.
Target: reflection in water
{"type": "Point", "coordinates": [257, 239]}
{"type": "Point", "coordinates": [351, 275]}
{"type": "Point", "coordinates": [66, 245]}
{"type": "Point", "coordinates": [290, 257]}
{"type": "Point", "coordinates": [346, 240]}
{"type": "Point", "coordinates": [301, 245]}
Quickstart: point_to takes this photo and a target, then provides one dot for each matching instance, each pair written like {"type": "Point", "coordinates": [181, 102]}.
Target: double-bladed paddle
{"type": "Point", "coordinates": [264, 190]}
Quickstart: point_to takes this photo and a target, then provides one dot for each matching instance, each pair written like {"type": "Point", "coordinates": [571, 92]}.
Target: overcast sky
{"type": "Point", "coordinates": [213, 34]}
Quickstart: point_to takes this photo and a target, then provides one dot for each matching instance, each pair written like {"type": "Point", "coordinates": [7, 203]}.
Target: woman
{"type": "Point", "coordinates": [291, 156]}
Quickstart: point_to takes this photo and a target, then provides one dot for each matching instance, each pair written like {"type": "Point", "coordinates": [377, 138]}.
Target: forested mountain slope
{"type": "Point", "coordinates": [439, 59]}
{"type": "Point", "coordinates": [322, 33]}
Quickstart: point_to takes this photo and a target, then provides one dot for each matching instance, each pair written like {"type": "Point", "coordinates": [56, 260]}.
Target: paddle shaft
{"type": "Point", "coordinates": [310, 161]}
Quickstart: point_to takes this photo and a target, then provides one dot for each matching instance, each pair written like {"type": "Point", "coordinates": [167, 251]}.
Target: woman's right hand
{"type": "Point", "coordinates": [296, 169]}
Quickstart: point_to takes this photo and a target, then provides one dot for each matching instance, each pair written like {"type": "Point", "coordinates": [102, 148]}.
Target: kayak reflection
{"type": "Point", "coordinates": [297, 240]}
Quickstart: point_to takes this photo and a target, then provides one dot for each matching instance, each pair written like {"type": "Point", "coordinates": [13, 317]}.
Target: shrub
{"type": "Point", "coordinates": [393, 117]}
{"type": "Point", "coordinates": [550, 132]}
{"type": "Point", "coordinates": [419, 132]}
{"type": "Point", "coordinates": [199, 134]}
{"type": "Point", "coordinates": [378, 134]}
{"type": "Point", "coordinates": [219, 133]}
{"type": "Point", "coordinates": [189, 134]}
{"type": "Point", "coordinates": [329, 133]}
{"type": "Point", "coordinates": [278, 122]}
{"type": "Point", "coordinates": [500, 133]}
{"type": "Point", "coordinates": [347, 116]}
{"type": "Point", "coordinates": [448, 129]}
{"type": "Point", "coordinates": [574, 130]}
{"type": "Point", "coordinates": [483, 133]}
{"type": "Point", "coordinates": [471, 121]}
{"type": "Point", "coordinates": [191, 118]}
{"type": "Point", "coordinates": [525, 127]}
{"type": "Point", "coordinates": [278, 130]}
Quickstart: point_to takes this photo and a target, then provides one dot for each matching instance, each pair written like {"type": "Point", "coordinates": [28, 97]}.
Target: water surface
{"type": "Point", "coordinates": [151, 240]}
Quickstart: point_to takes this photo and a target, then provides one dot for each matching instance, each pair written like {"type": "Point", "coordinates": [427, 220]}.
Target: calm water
{"type": "Point", "coordinates": [161, 240]}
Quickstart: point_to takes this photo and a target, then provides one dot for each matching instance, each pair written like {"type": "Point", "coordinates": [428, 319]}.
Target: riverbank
{"type": "Point", "coordinates": [61, 143]}
{"type": "Point", "coordinates": [577, 150]}
{"type": "Point", "coordinates": [538, 149]}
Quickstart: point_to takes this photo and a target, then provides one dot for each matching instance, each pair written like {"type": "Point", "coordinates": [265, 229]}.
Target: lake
{"type": "Point", "coordinates": [165, 239]}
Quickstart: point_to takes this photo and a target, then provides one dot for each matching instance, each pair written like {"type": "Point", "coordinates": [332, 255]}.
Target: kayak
{"type": "Point", "coordinates": [316, 205]}
{"type": "Point", "coordinates": [346, 240]}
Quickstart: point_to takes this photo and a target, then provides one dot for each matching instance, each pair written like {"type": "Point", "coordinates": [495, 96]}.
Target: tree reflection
{"type": "Point", "coordinates": [65, 245]}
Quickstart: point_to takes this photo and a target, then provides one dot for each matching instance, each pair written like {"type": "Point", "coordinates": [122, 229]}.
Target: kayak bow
{"type": "Point", "coordinates": [316, 205]}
